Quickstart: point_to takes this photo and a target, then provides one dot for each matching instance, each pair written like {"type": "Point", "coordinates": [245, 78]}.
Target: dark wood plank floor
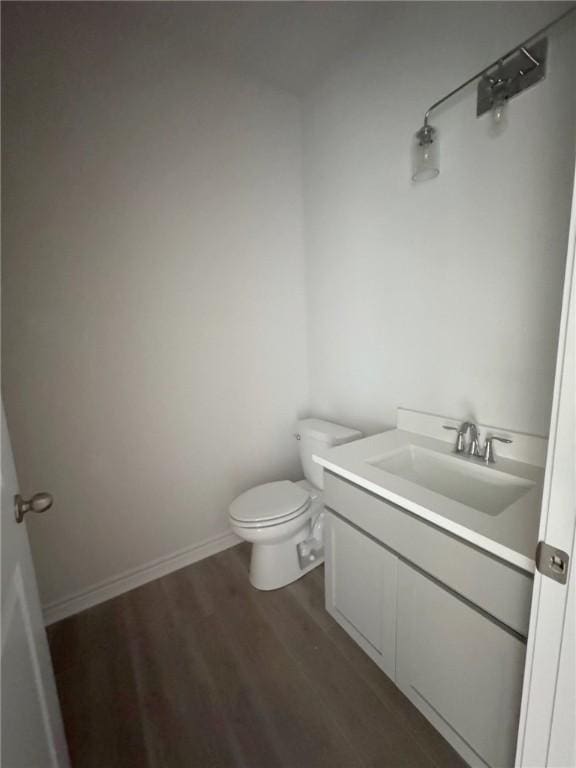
{"type": "Point", "coordinates": [199, 670]}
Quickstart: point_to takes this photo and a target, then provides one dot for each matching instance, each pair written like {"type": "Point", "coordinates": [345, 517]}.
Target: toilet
{"type": "Point", "coordinates": [283, 520]}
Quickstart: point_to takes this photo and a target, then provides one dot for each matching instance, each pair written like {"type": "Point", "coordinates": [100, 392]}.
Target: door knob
{"type": "Point", "coordinates": [40, 502]}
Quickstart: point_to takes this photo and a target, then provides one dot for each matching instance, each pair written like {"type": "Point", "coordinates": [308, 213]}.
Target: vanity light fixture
{"type": "Point", "coordinates": [520, 68]}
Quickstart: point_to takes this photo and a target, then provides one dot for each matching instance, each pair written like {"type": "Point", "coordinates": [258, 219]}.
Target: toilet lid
{"type": "Point", "coordinates": [270, 501]}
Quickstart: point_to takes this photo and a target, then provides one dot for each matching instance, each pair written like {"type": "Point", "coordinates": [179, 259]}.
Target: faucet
{"type": "Point", "coordinates": [486, 455]}
{"type": "Point", "coordinates": [473, 445]}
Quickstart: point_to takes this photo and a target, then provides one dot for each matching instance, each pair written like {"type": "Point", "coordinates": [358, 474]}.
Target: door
{"type": "Point", "coordinates": [547, 734]}
{"type": "Point", "coordinates": [461, 668]}
{"type": "Point", "coordinates": [32, 732]}
{"type": "Point", "coordinates": [361, 590]}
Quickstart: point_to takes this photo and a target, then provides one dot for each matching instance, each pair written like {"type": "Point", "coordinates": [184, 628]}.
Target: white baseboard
{"type": "Point", "coordinates": [135, 577]}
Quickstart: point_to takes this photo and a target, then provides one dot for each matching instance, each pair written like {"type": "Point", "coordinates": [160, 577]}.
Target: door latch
{"type": "Point", "coordinates": [552, 562]}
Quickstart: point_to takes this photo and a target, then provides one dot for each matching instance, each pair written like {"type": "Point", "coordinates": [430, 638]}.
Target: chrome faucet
{"type": "Point", "coordinates": [474, 449]}
{"type": "Point", "coordinates": [473, 445]}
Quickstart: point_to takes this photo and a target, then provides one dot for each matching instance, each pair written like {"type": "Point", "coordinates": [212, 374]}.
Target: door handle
{"type": "Point", "coordinates": [40, 502]}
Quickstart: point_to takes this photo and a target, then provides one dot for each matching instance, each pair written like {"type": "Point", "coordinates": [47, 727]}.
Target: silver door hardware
{"type": "Point", "coordinates": [552, 562]}
{"type": "Point", "coordinates": [40, 502]}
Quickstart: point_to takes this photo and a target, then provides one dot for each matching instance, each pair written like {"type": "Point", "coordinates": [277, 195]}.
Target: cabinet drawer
{"type": "Point", "coordinates": [500, 589]}
{"type": "Point", "coordinates": [460, 669]}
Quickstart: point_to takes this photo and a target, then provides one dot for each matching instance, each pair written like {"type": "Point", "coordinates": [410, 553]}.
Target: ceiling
{"type": "Point", "coordinates": [290, 44]}
{"type": "Point", "coordinates": [287, 44]}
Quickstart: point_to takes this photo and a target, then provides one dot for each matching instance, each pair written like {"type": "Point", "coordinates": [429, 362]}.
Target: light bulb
{"type": "Point", "coordinates": [499, 113]}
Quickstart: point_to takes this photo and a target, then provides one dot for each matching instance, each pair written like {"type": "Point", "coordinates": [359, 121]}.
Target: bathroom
{"type": "Point", "coordinates": [210, 233]}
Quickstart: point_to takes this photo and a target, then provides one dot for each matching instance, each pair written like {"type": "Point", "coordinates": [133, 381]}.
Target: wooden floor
{"type": "Point", "coordinates": [199, 670]}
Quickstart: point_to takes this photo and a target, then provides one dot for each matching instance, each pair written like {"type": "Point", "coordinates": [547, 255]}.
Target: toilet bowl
{"type": "Point", "coordinates": [276, 532]}
{"type": "Point", "coordinates": [278, 517]}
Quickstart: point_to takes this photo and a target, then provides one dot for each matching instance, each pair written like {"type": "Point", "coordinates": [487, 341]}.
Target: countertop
{"type": "Point", "coordinates": [511, 535]}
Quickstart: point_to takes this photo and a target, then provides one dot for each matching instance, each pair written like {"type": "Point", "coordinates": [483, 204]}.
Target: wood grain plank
{"type": "Point", "coordinates": [199, 670]}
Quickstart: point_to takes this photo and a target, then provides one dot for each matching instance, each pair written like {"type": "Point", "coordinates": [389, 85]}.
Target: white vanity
{"type": "Point", "coordinates": [429, 563]}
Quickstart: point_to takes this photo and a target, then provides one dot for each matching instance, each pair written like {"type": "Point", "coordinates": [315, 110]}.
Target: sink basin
{"type": "Point", "coordinates": [481, 487]}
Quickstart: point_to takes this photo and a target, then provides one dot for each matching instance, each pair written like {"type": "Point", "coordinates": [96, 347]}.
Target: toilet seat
{"type": "Point", "coordinates": [270, 504]}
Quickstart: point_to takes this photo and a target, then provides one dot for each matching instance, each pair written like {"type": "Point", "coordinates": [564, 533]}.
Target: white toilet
{"type": "Point", "coordinates": [278, 517]}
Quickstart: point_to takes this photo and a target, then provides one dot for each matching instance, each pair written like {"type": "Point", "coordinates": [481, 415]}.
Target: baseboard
{"type": "Point", "coordinates": [135, 577]}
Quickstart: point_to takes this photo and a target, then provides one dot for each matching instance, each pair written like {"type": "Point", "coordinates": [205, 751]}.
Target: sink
{"type": "Point", "coordinates": [483, 488]}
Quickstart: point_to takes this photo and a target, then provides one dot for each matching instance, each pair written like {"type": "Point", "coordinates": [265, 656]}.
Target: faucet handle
{"type": "Point", "coordinates": [459, 447]}
{"type": "Point", "coordinates": [489, 447]}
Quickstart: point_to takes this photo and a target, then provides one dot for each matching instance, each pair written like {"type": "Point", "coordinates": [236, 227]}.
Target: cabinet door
{"type": "Point", "coordinates": [361, 587]}
{"type": "Point", "coordinates": [460, 668]}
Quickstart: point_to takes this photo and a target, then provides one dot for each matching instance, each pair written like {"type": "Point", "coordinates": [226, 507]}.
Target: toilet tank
{"type": "Point", "coordinates": [316, 437]}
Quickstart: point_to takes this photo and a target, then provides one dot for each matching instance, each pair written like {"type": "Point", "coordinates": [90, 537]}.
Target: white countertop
{"type": "Point", "coordinates": [510, 535]}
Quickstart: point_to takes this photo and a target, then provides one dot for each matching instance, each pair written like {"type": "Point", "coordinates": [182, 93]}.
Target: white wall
{"type": "Point", "coordinates": [154, 310]}
{"type": "Point", "coordinates": [154, 277]}
{"type": "Point", "coordinates": [443, 296]}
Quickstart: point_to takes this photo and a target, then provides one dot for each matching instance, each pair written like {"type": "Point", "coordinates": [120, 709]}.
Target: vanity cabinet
{"type": "Point", "coordinates": [462, 670]}
{"type": "Point", "coordinates": [361, 587]}
{"type": "Point", "coordinates": [443, 620]}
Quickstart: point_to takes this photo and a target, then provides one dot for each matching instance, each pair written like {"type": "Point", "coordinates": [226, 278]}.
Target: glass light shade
{"type": "Point", "coordinates": [425, 154]}
{"type": "Point", "coordinates": [499, 119]}
{"type": "Point", "coordinates": [498, 116]}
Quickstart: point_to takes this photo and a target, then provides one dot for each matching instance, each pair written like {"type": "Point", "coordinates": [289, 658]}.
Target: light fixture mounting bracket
{"type": "Point", "coordinates": [522, 69]}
